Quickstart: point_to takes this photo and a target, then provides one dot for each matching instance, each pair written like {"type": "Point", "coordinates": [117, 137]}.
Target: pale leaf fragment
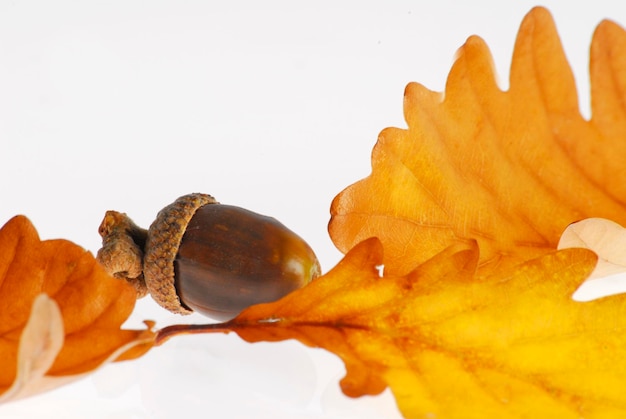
{"type": "Point", "coordinates": [40, 343]}
{"type": "Point", "coordinates": [608, 240]}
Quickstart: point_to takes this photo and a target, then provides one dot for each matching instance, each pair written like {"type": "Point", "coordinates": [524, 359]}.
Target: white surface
{"type": "Point", "coordinates": [273, 106]}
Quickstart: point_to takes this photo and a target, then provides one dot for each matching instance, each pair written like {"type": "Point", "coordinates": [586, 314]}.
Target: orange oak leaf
{"type": "Point", "coordinates": [512, 345]}
{"type": "Point", "coordinates": [60, 313]}
{"type": "Point", "coordinates": [510, 169]}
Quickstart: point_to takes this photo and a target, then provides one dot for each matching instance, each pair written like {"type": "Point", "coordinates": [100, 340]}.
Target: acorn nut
{"type": "Point", "coordinates": [200, 255]}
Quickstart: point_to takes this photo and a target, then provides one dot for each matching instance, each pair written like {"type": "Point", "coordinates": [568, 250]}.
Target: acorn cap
{"type": "Point", "coordinates": [164, 237]}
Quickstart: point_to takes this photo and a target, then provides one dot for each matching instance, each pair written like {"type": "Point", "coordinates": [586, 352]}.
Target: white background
{"type": "Point", "coordinates": [273, 106]}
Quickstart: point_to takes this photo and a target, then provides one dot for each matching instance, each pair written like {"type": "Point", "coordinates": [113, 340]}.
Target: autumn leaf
{"type": "Point", "coordinates": [512, 345]}
{"type": "Point", "coordinates": [473, 317]}
{"type": "Point", "coordinates": [60, 313]}
{"type": "Point", "coordinates": [508, 169]}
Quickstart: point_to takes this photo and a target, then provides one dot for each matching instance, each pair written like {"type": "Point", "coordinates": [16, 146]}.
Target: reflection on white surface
{"type": "Point", "coordinates": [222, 373]}
{"type": "Point", "coordinates": [228, 374]}
{"type": "Point", "coordinates": [239, 379]}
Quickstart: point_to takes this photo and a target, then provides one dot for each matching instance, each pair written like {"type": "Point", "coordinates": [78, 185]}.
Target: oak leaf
{"type": "Point", "coordinates": [512, 345]}
{"type": "Point", "coordinates": [510, 169]}
{"type": "Point", "coordinates": [473, 317]}
{"type": "Point", "coordinates": [60, 313]}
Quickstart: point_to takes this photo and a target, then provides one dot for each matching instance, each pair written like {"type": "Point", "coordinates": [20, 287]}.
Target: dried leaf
{"type": "Point", "coordinates": [473, 317]}
{"type": "Point", "coordinates": [508, 169]}
{"type": "Point", "coordinates": [608, 240]}
{"type": "Point", "coordinates": [39, 345]}
{"type": "Point", "coordinates": [60, 313]}
{"type": "Point", "coordinates": [513, 345]}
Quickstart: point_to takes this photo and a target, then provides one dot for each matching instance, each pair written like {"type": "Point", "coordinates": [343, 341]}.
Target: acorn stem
{"type": "Point", "coordinates": [168, 332]}
{"type": "Point", "coordinates": [122, 249]}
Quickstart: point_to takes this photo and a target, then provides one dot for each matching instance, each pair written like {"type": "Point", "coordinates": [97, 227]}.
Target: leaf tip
{"type": "Point", "coordinates": [19, 225]}
{"type": "Point", "coordinates": [369, 252]}
{"type": "Point", "coordinates": [538, 14]}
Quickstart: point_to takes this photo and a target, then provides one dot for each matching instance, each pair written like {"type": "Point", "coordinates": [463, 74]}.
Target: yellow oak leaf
{"type": "Point", "coordinates": [510, 169]}
{"type": "Point", "coordinates": [60, 313]}
{"type": "Point", "coordinates": [473, 316]}
{"type": "Point", "coordinates": [512, 345]}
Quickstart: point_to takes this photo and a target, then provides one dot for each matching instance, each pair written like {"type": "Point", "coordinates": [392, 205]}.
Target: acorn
{"type": "Point", "coordinates": [200, 255]}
